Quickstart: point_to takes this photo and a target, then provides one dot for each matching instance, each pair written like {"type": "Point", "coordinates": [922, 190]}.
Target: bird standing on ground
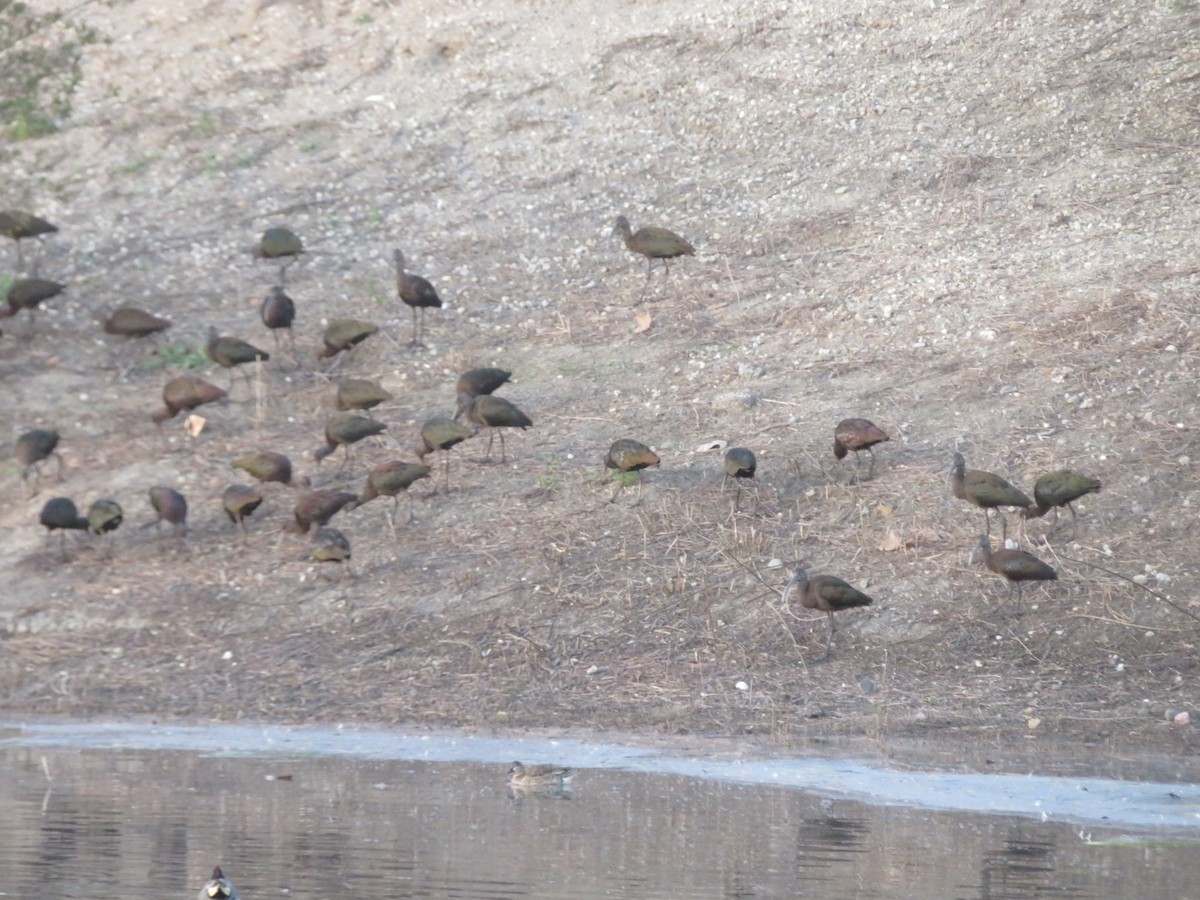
{"type": "Point", "coordinates": [1061, 488]}
{"type": "Point", "coordinates": [740, 463]}
{"type": "Point", "coordinates": [129, 321]}
{"type": "Point", "coordinates": [278, 312]}
{"type": "Point", "coordinates": [439, 435]}
{"type": "Point", "coordinates": [218, 887]}
{"type": "Point", "coordinates": [267, 466]}
{"type": "Point", "coordinates": [985, 490]}
{"type": "Point", "coordinates": [239, 501]}
{"type": "Point", "coordinates": [827, 594]}
{"type": "Point", "coordinates": [345, 430]}
{"type": "Point", "coordinates": [417, 293]}
{"type": "Point", "coordinates": [170, 506]}
{"type": "Point", "coordinates": [316, 508]}
{"type": "Point", "coordinates": [28, 293]}
{"type": "Point", "coordinates": [1015, 566]}
{"type": "Point", "coordinates": [18, 225]}
{"type": "Point", "coordinates": [653, 243]}
{"type": "Point", "coordinates": [358, 393]}
{"type": "Point", "coordinates": [229, 352]}
{"type": "Point", "coordinates": [186, 392]}
{"type": "Point", "coordinates": [341, 335]}
{"type": "Point", "coordinates": [495, 413]}
{"type": "Point", "coordinates": [476, 382]}
{"type": "Point", "coordinates": [60, 514]}
{"type": "Point", "coordinates": [31, 448]}
{"type": "Point", "coordinates": [543, 776]}
{"type": "Point", "coordinates": [330, 545]}
{"type": "Point", "coordinates": [282, 244]}
{"type": "Point", "coordinates": [390, 479]}
{"type": "Point", "coordinates": [856, 435]}
{"type": "Point", "coordinates": [105, 516]}
{"type": "Point", "coordinates": [628, 455]}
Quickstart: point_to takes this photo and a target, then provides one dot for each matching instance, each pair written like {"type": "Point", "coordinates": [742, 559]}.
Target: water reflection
{"type": "Point", "coordinates": [154, 823]}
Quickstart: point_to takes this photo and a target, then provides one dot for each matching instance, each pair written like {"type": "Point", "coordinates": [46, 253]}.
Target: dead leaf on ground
{"type": "Point", "coordinates": [642, 323]}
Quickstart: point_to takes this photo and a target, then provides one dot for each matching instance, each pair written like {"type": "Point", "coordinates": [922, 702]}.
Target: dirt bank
{"type": "Point", "coordinates": [974, 224]}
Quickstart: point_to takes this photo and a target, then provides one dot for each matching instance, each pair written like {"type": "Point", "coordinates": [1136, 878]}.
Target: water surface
{"type": "Point", "coordinates": [145, 811]}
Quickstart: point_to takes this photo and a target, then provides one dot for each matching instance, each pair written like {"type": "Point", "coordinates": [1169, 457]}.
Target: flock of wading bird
{"type": "Point", "coordinates": [481, 408]}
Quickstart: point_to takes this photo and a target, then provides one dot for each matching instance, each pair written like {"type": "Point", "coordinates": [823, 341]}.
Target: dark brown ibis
{"type": "Point", "coordinates": [438, 435]}
{"type": "Point", "coordinates": [416, 293]}
{"type": "Point", "coordinates": [495, 413]}
{"type": "Point", "coordinates": [856, 435]}
{"type": "Point", "coordinates": [653, 243]}
{"type": "Point", "coordinates": [827, 594]}
{"type": "Point", "coordinates": [740, 464]}
{"type": "Point", "coordinates": [281, 244]}
{"type": "Point", "coordinates": [278, 312]}
{"type": "Point", "coordinates": [230, 352]}
{"type": "Point", "coordinates": [390, 479]}
{"type": "Point", "coordinates": [331, 546]}
{"type": "Point", "coordinates": [358, 393]}
{"type": "Point", "coordinates": [316, 508]}
{"type": "Point", "coordinates": [28, 293]}
{"type": "Point", "coordinates": [342, 335]}
{"type": "Point", "coordinates": [344, 431]}
{"type": "Point", "coordinates": [628, 455]}
{"type": "Point", "coordinates": [186, 392]}
{"type": "Point", "coordinates": [985, 490]}
{"type": "Point", "coordinates": [475, 383]}
{"type": "Point", "coordinates": [1061, 488]}
{"type": "Point", "coordinates": [169, 506]}
{"type": "Point", "coordinates": [104, 517]}
{"type": "Point", "coordinates": [240, 501]}
{"type": "Point", "coordinates": [18, 225]}
{"type": "Point", "coordinates": [131, 322]}
{"type": "Point", "coordinates": [267, 466]}
{"type": "Point", "coordinates": [1015, 567]}
{"type": "Point", "coordinates": [60, 514]}
{"type": "Point", "coordinates": [31, 448]}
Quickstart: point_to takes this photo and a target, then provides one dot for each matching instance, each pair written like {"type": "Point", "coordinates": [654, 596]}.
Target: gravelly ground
{"type": "Point", "coordinates": [974, 224]}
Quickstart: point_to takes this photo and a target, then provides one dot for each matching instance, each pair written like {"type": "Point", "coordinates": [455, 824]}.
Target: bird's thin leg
{"type": "Point", "coordinates": [1004, 524]}
{"type": "Point", "coordinates": [737, 498]}
{"type": "Point", "coordinates": [829, 637]}
{"type": "Point", "coordinates": [871, 469]}
{"type": "Point", "coordinates": [62, 544]}
{"type": "Point", "coordinates": [503, 452]}
{"type": "Point", "coordinates": [390, 519]}
{"type": "Point", "coordinates": [446, 468]}
{"type": "Point", "coordinates": [620, 487]}
{"type": "Point", "coordinates": [757, 495]}
{"type": "Point", "coordinates": [491, 437]}
{"type": "Point", "coordinates": [411, 500]}
{"type": "Point", "coordinates": [20, 256]}
{"type": "Point", "coordinates": [987, 523]}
